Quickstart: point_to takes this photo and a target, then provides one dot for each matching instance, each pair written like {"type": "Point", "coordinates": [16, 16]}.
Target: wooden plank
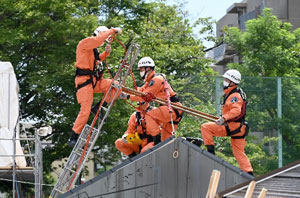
{"type": "Point", "coordinates": [250, 189]}
{"type": "Point", "coordinates": [17, 168]}
{"type": "Point", "coordinates": [173, 105]}
{"type": "Point", "coordinates": [263, 193]}
{"type": "Point", "coordinates": [213, 184]}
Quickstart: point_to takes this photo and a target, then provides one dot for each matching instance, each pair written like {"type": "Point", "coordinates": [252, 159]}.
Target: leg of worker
{"type": "Point", "coordinates": [211, 129]}
{"type": "Point", "coordinates": [85, 99]}
{"type": "Point", "coordinates": [148, 146]}
{"type": "Point", "coordinates": [166, 130]}
{"type": "Point", "coordinates": [103, 85]}
{"type": "Point", "coordinates": [156, 117]}
{"type": "Point", "coordinates": [126, 148]}
{"type": "Point", "coordinates": [238, 148]}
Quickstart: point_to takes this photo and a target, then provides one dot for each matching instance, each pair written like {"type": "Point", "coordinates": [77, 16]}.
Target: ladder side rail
{"type": "Point", "coordinates": [63, 178]}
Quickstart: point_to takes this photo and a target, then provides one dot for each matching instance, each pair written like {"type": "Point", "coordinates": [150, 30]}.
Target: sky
{"type": "Point", "coordinates": [205, 8]}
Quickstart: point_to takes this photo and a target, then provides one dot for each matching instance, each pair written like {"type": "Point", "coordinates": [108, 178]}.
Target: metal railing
{"type": "Point", "coordinates": [36, 159]}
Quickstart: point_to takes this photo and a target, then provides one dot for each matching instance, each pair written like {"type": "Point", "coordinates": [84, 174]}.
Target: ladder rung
{"type": "Point", "coordinates": [77, 153]}
{"type": "Point", "coordinates": [70, 170]}
{"type": "Point", "coordinates": [82, 139]}
{"type": "Point", "coordinates": [58, 190]}
{"type": "Point", "coordinates": [104, 108]}
{"type": "Point", "coordinates": [66, 176]}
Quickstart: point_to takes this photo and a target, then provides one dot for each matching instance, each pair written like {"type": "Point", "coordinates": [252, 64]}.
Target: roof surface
{"type": "Point", "coordinates": [174, 168]}
{"type": "Point", "coordinates": [282, 182]}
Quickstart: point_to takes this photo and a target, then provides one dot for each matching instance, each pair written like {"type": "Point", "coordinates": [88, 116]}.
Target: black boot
{"type": "Point", "coordinates": [250, 173]}
{"type": "Point", "coordinates": [101, 113]}
{"type": "Point", "coordinates": [196, 141]}
{"type": "Point", "coordinates": [132, 155]}
{"type": "Point", "coordinates": [211, 149]}
{"type": "Point", "coordinates": [73, 139]}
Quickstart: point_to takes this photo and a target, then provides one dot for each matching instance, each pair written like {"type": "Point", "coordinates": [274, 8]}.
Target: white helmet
{"type": "Point", "coordinates": [146, 62]}
{"type": "Point", "coordinates": [99, 30]}
{"type": "Point", "coordinates": [233, 75]}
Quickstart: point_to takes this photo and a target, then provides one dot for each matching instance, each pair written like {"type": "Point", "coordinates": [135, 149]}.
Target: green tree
{"type": "Point", "coordinates": [40, 38]}
{"type": "Point", "coordinates": [268, 46]}
{"type": "Point", "coordinates": [269, 49]}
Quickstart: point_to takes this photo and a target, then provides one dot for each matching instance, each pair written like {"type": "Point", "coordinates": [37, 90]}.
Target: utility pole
{"type": "Point", "coordinates": [279, 115]}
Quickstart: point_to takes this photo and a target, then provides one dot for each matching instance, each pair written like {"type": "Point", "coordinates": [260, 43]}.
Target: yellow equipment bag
{"type": "Point", "coordinates": [134, 139]}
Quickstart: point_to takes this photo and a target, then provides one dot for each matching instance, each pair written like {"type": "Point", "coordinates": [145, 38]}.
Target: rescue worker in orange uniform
{"type": "Point", "coordinates": [232, 122]}
{"type": "Point", "coordinates": [136, 127]}
{"type": "Point", "coordinates": [88, 79]}
{"type": "Point", "coordinates": [158, 120]}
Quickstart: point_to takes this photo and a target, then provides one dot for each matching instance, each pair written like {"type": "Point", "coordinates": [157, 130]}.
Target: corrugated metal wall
{"type": "Point", "coordinates": [158, 173]}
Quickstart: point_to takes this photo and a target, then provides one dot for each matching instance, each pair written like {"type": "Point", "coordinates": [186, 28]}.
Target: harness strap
{"type": "Point", "coordinates": [230, 133]}
{"type": "Point", "coordinates": [150, 138]}
{"type": "Point", "coordinates": [85, 72]}
{"type": "Point", "coordinates": [87, 82]}
{"type": "Point", "coordinates": [178, 117]}
{"type": "Point", "coordinates": [175, 98]}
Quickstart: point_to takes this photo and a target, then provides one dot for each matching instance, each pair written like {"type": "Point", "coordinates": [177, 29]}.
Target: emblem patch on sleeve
{"type": "Point", "coordinates": [234, 99]}
{"type": "Point", "coordinates": [151, 83]}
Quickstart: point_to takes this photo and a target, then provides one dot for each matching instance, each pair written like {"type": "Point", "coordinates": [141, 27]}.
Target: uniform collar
{"type": "Point", "coordinates": [150, 76]}
{"type": "Point", "coordinates": [229, 89]}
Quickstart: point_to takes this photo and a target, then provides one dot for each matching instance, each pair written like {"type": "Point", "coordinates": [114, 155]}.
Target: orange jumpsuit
{"type": "Point", "coordinates": [129, 148]}
{"type": "Point", "coordinates": [158, 119]}
{"type": "Point", "coordinates": [85, 60]}
{"type": "Point", "coordinates": [231, 109]}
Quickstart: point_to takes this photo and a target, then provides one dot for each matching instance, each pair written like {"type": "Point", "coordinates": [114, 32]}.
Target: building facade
{"type": "Point", "coordinates": [239, 13]}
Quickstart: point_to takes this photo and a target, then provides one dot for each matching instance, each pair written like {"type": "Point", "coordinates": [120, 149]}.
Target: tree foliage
{"type": "Point", "coordinates": [268, 46]}
{"type": "Point", "coordinates": [40, 39]}
{"type": "Point", "coordinates": [270, 49]}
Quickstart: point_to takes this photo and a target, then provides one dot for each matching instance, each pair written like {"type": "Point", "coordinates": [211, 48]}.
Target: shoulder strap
{"type": "Point", "coordinates": [241, 117]}
{"type": "Point", "coordinates": [96, 54]}
{"type": "Point", "coordinates": [236, 90]}
{"type": "Point", "coordinates": [138, 118]}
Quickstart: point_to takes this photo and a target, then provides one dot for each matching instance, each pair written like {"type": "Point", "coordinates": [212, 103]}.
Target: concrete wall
{"type": "Point", "coordinates": [279, 8]}
{"type": "Point", "coordinates": [230, 20]}
{"type": "Point", "coordinates": [294, 13]}
{"type": "Point", "coordinates": [253, 5]}
{"type": "Point", "coordinates": [160, 174]}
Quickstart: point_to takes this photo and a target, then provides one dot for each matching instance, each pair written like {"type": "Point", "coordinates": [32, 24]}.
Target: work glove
{"type": "Point", "coordinates": [220, 121]}
{"type": "Point", "coordinates": [149, 97]}
{"type": "Point", "coordinates": [124, 96]}
{"type": "Point", "coordinates": [124, 138]}
{"type": "Point", "coordinates": [117, 30]}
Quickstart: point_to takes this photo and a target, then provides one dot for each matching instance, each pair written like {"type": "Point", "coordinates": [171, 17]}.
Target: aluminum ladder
{"type": "Point", "coordinates": [89, 135]}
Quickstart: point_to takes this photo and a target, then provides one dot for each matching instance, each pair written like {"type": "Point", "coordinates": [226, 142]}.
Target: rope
{"type": "Point", "coordinates": [92, 126]}
{"type": "Point", "coordinates": [166, 87]}
{"type": "Point", "coordinates": [125, 50]}
{"type": "Point", "coordinates": [86, 145]}
{"type": "Point", "coordinates": [106, 66]}
{"type": "Point", "coordinates": [133, 79]}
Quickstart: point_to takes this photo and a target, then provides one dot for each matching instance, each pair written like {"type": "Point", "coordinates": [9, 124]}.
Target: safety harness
{"type": "Point", "coordinates": [97, 72]}
{"type": "Point", "coordinates": [240, 118]}
{"type": "Point", "coordinates": [174, 99]}
{"type": "Point", "coordinates": [150, 138]}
